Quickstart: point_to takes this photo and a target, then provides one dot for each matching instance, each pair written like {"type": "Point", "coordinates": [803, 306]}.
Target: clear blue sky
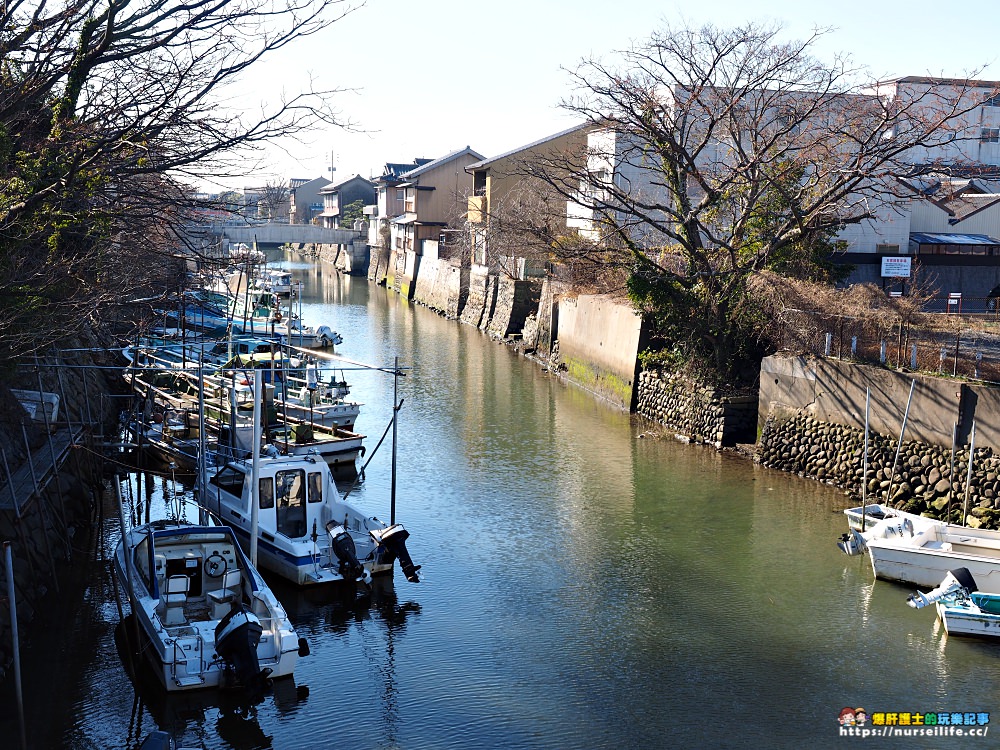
{"type": "Point", "coordinates": [435, 76]}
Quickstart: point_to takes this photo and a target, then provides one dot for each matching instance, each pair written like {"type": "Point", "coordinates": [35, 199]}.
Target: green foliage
{"type": "Point", "coordinates": [354, 211]}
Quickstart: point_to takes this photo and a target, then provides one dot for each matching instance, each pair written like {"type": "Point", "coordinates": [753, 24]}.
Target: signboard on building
{"type": "Point", "coordinates": [896, 266]}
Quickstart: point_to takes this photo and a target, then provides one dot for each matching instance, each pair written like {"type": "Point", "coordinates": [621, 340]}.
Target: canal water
{"type": "Point", "coordinates": [588, 582]}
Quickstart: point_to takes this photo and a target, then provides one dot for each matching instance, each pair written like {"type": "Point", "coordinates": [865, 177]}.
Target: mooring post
{"type": "Point", "coordinates": [15, 641]}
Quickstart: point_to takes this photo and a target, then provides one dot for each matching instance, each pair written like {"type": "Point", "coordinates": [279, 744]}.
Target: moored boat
{"type": "Point", "coordinates": [206, 615]}
{"type": "Point", "coordinates": [306, 532]}
{"type": "Point", "coordinates": [963, 609]}
{"type": "Point", "coordinates": [925, 556]}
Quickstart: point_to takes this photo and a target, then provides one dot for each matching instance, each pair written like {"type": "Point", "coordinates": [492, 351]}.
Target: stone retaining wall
{"type": "Point", "coordinates": [481, 297]}
{"type": "Point", "coordinates": [920, 484]}
{"type": "Point", "coordinates": [53, 527]}
{"type": "Point", "coordinates": [441, 285]}
{"type": "Point", "coordinates": [698, 413]}
{"type": "Point", "coordinates": [515, 300]}
{"type": "Point", "coordinates": [378, 265]}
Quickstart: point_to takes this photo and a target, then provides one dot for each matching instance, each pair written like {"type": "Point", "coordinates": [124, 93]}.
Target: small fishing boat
{"type": "Point", "coordinates": [963, 609]}
{"type": "Point", "coordinates": [205, 614]}
{"type": "Point", "coordinates": [274, 280]}
{"type": "Point", "coordinates": [878, 521]}
{"type": "Point", "coordinates": [925, 556]}
{"type": "Point", "coordinates": [306, 532]}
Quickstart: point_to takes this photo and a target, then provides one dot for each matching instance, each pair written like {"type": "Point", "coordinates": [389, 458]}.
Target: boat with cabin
{"type": "Point", "coordinates": [306, 532]}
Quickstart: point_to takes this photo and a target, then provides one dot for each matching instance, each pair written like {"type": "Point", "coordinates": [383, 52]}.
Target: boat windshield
{"type": "Point", "coordinates": [141, 559]}
{"type": "Point", "coordinates": [290, 494]}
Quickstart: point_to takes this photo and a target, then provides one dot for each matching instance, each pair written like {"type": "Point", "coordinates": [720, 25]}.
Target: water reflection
{"type": "Point", "coordinates": [191, 717]}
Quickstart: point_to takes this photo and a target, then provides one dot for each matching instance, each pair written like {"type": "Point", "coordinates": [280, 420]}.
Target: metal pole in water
{"type": "Point", "coordinates": [395, 417]}
{"type": "Point", "coordinates": [864, 470]}
{"type": "Point", "coordinates": [951, 470]}
{"type": "Point", "coordinates": [968, 478]}
{"type": "Point", "coordinates": [255, 472]}
{"type": "Point", "coordinates": [15, 641]}
{"type": "Point", "coordinates": [899, 445]}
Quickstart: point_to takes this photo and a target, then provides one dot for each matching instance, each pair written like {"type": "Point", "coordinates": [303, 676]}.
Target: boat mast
{"type": "Point", "coordinates": [395, 418]}
{"type": "Point", "coordinates": [255, 472]}
{"type": "Point", "coordinates": [202, 446]}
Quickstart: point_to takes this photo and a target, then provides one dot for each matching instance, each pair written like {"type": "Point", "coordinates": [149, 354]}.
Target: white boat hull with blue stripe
{"type": "Point", "coordinates": [305, 532]}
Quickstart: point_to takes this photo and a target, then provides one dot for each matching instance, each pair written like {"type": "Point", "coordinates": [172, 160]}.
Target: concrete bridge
{"type": "Point", "coordinates": [280, 234]}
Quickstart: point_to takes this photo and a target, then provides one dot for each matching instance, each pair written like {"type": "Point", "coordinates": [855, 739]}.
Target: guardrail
{"type": "Point", "coordinates": [969, 351]}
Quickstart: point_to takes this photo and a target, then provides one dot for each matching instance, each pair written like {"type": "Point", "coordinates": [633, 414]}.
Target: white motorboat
{"type": "Point", "coordinates": [925, 556]}
{"type": "Point", "coordinates": [274, 280]}
{"type": "Point", "coordinates": [260, 313]}
{"type": "Point", "coordinates": [299, 393]}
{"type": "Point", "coordinates": [878, 521]}
{"type": "Point", "coordinates": [306, 532]}
{"type": "Point", "coordinates": [963, 609]}
{"type": "Point", "coordinates": [207, 615]}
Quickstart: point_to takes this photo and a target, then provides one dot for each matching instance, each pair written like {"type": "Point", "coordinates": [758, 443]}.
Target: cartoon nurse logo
{"type": "Point", "coordinates": [846, 718]}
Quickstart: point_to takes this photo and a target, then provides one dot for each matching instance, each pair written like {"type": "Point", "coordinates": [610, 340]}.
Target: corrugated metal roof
{"type": "Point", "coordinates": [947, 238]}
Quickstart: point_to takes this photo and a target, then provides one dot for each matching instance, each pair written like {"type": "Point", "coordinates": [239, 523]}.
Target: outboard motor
{"type": "Point", "coordinates": [852, 543]}
{"type": "Point", "coordinates": [236, 638]}
{"type": "Point", "coordinates": [347, 553]}
{"type": "Point", "coordinates": [393, 540]}
{"type": "Point", "coordinates": [958, 581]}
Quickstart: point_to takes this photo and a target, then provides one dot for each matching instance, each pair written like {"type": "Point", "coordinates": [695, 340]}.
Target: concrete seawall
{"type": "Point", "coordinates": [812, 416]}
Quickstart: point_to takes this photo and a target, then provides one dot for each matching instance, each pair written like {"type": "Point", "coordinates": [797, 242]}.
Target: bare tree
{"type": "Point", "coordinates": [723, 152]}
{"type": "Point", "coordinates": [109, 109]}
{"type": "Point", "coordinates": [274, 201]}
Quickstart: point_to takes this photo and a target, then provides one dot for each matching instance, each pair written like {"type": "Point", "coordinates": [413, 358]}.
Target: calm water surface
{"type": "Point", "coordinates": [587, 583]}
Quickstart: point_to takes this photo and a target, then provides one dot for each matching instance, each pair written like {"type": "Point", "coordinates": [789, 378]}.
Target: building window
{"type": "Point", "coordinates": [989, 135]}
{"type": "Point", "coordinates": [993, 101]}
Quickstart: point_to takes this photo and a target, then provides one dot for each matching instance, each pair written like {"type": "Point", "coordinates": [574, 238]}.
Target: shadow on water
{"type": "Point", "coordinates": [186, 716]}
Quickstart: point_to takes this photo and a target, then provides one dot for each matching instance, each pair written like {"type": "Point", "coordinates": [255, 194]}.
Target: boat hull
{"type": "Point", "coordinates": [926, 558]}
{"type": "Point", "coordinates": [977, 617]}
{"type": "Point", "coordinates": [301, 569]}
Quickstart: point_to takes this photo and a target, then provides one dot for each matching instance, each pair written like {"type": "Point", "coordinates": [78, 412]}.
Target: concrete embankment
{"type": "Point", "coordinates": [812, 416]}
{"type": "Point", "coordinates": [594, 340]}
